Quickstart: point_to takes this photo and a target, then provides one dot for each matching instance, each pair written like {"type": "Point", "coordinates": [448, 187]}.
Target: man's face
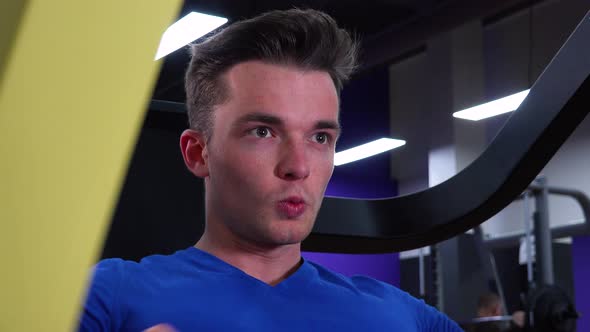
{"type": "Point", "coordinates": [271, 153]}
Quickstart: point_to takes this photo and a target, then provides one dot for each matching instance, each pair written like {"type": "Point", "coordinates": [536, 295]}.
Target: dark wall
{"type": "Point", "coordinates": [160, 208]}
{"type": "Point", "coordinates": [410, 278]}
{"type": "Point", "coordinates": [462, 274]}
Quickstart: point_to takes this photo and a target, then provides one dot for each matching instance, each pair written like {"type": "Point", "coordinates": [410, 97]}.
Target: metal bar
{"type": "Point", "coordinates": [513, 239]}
{"type": "Point", "coordinates": [421, 272]}
{"type": "Point", "coordinates": [167, 106]}
{"type": "Point", "coordinates": [498, 283]}
{"type": "Point", "coordinates": [543, 250]}
{"type": "Point", "coordinates": [579, 196]}
{"type": "Point", "coordinates": [573, 229]}
{"type": "Point", "coordinates": [483, 252]}
{"type": "Point", "coordinates": [527, 238]}
{"type": "Point", "coordinates": [490, 319]}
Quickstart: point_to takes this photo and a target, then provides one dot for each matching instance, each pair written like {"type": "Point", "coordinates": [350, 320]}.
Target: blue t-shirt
{"type": "Point", "coordinates": [195, 291]}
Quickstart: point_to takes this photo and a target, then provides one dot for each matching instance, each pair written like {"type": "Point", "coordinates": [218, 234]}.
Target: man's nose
{"type": "Point", "coordinates": [293, 163]}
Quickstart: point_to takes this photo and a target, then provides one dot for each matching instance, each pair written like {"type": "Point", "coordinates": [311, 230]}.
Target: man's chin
{"type": "Point", "coordinates": [290, 237]}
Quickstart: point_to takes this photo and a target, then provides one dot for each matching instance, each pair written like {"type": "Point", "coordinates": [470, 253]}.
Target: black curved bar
{"type": "Point", "coordinates": [558, 101]}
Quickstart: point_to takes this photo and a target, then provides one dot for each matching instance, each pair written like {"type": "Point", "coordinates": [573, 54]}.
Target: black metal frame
{"type": "Point", "coordinates": [557, 103]}
{"type": "Point", "coordinates": [556, 232]}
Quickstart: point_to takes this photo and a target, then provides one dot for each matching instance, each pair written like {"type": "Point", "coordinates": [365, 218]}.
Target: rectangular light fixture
{"type": "Point", "coordinates": [189, 28]}
{"type": "Point", "coordinates": [493, 108]}
{"type": "Point", "coordinates": [366, 150]}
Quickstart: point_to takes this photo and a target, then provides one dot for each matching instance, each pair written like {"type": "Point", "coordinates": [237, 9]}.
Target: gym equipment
{"type": "Point", "coordinates": [556, 232]}
{"type": "Point", "coordinates": [557, 102]}
{"type": "Point", "coordinates": [74, 78]}
{"type": "Point", "coordinates": [549, 309]}
{"type": "Point", "coordinates": [493, 323]}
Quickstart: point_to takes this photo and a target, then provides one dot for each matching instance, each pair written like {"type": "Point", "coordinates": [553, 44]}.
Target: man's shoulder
{"type": "Point", "coordinates": [118, 268]}
{"type": "Point", "coordinates": [399, 301]}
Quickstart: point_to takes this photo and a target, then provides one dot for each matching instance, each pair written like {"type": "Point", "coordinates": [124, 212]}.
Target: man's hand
{"type": "Point", "coordinates": [160, 328]}
{"type": "Point", "coordinates": [518, 318]}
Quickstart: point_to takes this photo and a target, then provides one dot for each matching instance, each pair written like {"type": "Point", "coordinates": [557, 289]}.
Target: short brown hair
{"type": "Point", "coordinates": [486, 303]}
{"type": "Point", "coordinates": [307, 39]}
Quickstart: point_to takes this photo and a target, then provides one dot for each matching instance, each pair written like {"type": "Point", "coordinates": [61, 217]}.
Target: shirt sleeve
{"type": "Point", "coordinates": [101, 310]}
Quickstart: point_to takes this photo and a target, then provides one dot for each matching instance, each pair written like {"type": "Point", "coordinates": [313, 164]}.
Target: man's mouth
{"type": "Point", "coordinates": [292, 207]}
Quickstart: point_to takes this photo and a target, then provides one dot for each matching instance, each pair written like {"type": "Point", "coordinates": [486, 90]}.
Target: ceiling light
{"type": "Point", "coordinates": [493, 108]}
{"type": "Point", "coordinates": [366, 150]}
{"type": "Point", "coordinates": [186, 30]}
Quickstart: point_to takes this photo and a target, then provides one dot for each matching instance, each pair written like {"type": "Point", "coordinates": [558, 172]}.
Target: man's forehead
{"type": "Point", "coordinates": [256, 71]}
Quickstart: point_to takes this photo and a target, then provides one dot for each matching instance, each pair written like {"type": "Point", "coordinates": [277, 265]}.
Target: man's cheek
{"type": "Point", "coordinates": [246, 180]}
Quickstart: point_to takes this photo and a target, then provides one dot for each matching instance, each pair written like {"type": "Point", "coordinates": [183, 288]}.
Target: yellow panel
{"type": "Point", "coordinates": [75, 82]}
{"type": "Point", "coordinates": [10, 15]}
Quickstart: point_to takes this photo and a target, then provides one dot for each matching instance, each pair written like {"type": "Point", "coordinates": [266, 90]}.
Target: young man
{"type": "Point", "coordinates": [263, 100]}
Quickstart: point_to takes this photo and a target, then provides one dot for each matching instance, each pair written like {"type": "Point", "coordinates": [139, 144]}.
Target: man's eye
{"type": "Point", "coordinates": [262, 132]}
{"type": "Point", "coordinates": [321, 138]}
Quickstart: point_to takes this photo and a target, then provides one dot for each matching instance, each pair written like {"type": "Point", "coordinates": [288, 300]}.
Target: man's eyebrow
{"type": "Point", "coordinates": [260, 117]}
{"type": "Point", "coordinates": [328, 124]}
{"type": "Point", "coordinates": [276, 121]}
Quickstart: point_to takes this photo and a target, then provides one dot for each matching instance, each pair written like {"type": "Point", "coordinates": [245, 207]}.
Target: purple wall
{"type": "Point", "coordinates": [364, 117]}
{"type": "Point", "coordinates": [581, 263]}
{"type": "Point", "coordinates": [365, 187]}
{"type": "Point", "coordinates": [384, 267]}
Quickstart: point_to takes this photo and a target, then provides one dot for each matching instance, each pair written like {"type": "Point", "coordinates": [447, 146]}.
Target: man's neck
{"type": "Point", "coordinates": [270, 265]}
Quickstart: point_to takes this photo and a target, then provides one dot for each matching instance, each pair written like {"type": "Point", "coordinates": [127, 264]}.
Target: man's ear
{"type": "Point", "coordinates": [194, 151]}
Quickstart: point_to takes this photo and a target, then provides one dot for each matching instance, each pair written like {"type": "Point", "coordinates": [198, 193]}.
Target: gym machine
{"type": "Point", "coordinates": [557, 102]}
{"type": "Point", "coordinates": [547, 306]}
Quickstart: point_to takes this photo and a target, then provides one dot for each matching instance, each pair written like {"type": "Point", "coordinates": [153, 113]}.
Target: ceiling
{"type": "Point", "coordinates": [388, 29]}
{"type": "Point", "coordinates": [367, 17]}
